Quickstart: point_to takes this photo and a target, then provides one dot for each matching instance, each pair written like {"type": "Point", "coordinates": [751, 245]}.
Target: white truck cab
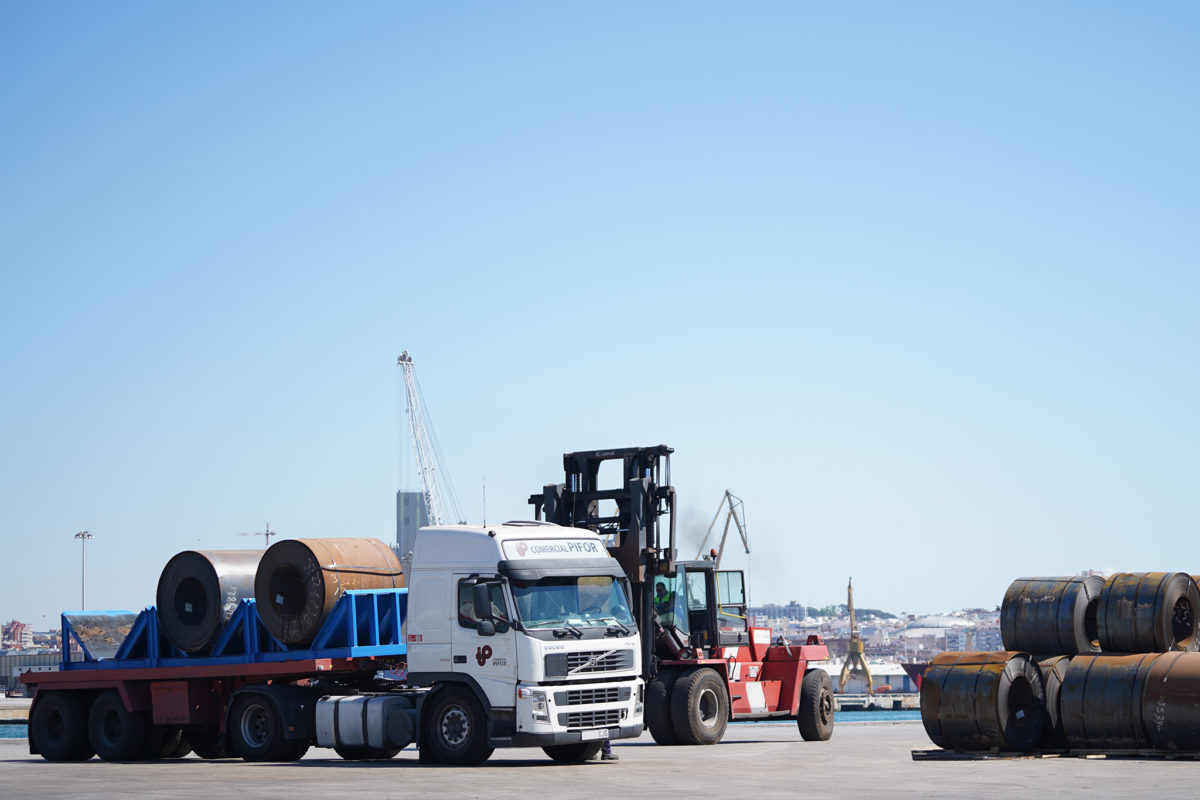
{"type": "Point", "coordinates": [525, 634]}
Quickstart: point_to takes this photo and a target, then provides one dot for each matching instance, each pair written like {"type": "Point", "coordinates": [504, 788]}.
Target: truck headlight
{"type": "Point", "coordinates": [537, 698]}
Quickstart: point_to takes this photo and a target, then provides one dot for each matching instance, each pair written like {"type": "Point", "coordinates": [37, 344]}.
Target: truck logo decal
{"type": "Point", "coordinates": [522, 548]}
{"type": "Point", "coordinates": [482, 654]}
{"type": "Point", "coordinates": [591, 662]}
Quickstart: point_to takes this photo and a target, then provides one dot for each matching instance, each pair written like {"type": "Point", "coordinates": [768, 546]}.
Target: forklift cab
{"type": "Point", "coordinates": [705, 605]}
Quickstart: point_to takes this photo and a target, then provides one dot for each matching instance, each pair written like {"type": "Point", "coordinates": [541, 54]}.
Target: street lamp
{"type": "Point", "coordinates": [83, 536]}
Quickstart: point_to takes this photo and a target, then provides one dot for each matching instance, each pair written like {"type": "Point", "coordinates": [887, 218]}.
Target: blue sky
{"type": "Point", "coordinates": [916, 281]}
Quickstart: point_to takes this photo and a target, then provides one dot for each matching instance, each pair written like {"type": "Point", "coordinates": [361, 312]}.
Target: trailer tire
{"type": "Point", "coordinates": [58, 727]}
{"type": "Point", "coordinates": [815, 717]}
{"type": "Point", "coordinates": [456, 729]}
{"type": "Point", "coordinates": [573, 753]}
{"type": "Point", "coordinates": [357, 753]}
{"type": "Point", "coordinates": [658, 707]}
{"type": "Point", "coordinates": [256, 729]}
{"type": "Point", "coordinates": [116, 733]}
{"type": "Point", "coordinates": [700, 707]}
{"type": "Point", "coordinates": [174, 743]}
{"type": "Point", "coordinates": [208, 742]}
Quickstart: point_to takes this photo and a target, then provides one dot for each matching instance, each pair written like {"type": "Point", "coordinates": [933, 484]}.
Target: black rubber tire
{"type": "Point", "coordinates": [815, 716]}
{"type": "Point", "coordinates": [256, 729]}
{"type": "Point", "coordinates": [456, 729]}
{"type": "Point", "coordinates": [700, 707]}
{"type": "Point", "coordinates": [294, 749]}
{"type": "Point", "coordinates": [58, 727]}
{"type": "Point", "coordinates": [115, 733]}
{"type": "Point", "coordinates": [208, 743]}
{"type": "Point", "coordinates": [354, 753]}
{"type": "Point", "coordinates": [658, 707]}
{"type": "Point", "coordinates": [573, 753]}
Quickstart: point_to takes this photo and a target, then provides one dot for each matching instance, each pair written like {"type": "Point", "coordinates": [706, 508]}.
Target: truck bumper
{"type": "Point", "coordinates": [573, 737]}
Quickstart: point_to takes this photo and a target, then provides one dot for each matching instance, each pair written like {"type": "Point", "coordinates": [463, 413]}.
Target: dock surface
{"type": "Point", "coordinates": [866, 759]}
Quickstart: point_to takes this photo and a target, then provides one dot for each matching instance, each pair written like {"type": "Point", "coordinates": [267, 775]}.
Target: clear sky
{"type": "Point", "coordinates": [917, 281]}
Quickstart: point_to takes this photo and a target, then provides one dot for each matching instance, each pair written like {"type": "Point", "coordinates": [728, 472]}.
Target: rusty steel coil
{"type": "Point", "coordinates": [199, 590]}
{"type": "Point", "coordinates": [1171, 704]}
{"type": "Point", "coordinates": [299, 581]}
{"type": "Point", "coordinates": [1051, 616]}
{"type": "Point", "coordinates": [979, 701]}
{"type": "Point", "coordinates": [1100, 702]}
{"type": "Point", "coordinates": [1148, 612]}
{"type": "Point", "coordinates": [1053, 670]}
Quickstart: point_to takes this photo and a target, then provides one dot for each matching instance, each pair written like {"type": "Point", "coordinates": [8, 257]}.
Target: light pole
{"type": "Point", "coordinates": [83, 536]}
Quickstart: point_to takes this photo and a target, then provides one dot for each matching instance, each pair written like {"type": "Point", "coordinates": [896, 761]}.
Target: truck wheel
{"type": "Point", "coordinates": [208, 742]}
{"type": "Point", "coordinates": [700, 707]}
{"type": "Point", "coordinates": [658, 707]}
{"type": "Point", "coordinates": [573, 753]}
{"type": "Point", "coordinates": [58, 727]}
{"type": "Point", "coordinates": [358, 753]}
{"type": "Point", "coordinates": [256, 729]}
{"type": "Point", "coordinates": [457, 729]}
{"type": "Point", "coordinates": [117, 734]}
{"type": "Point", "coordinates": [815, 718]}
{"type": "Point", "coordinates": [174, 743]}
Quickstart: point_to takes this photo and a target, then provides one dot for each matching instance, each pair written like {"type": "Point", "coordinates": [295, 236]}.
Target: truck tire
{"type": "Point", "coordinates": [658, 707]}
{"type": "Point", "coordinates": [700, 707]}
{"type": "Point", "coordinates": [208, 742]}
{"type": "Point", "coordinates": [357, 753]}
{"type": "Point", "coordinates": [115, 733]}
{"type": "Point", "coordinates": [815, 717]}
{"type": "Point", "coordinates": [456, 729]}
{"type": "Point", "coordinates": [256, 729]}
{"type": "Point", "coordinates": [573, 753]}
{"type": "Point", "coordinates": [58, 727]}
{"type": "Point", "coordinates": [174, 743]}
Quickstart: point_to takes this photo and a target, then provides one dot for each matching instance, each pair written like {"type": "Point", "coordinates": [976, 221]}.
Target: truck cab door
{"type": "Point", "coordinates": [732, 628]}
{"type": "Point", "coordinates": [485, 649]}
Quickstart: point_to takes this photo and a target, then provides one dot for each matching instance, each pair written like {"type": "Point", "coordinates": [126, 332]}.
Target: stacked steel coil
{"type": "Point", "coordinates": [1100, 665]}
{"type": "Point", "coordinates": [198, 591]}
{"type": "Point", "coordinates": [299, 581]}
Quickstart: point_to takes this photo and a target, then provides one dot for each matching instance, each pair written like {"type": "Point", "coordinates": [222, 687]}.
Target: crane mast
{"type": "Point", "coordinates": [442, 507]}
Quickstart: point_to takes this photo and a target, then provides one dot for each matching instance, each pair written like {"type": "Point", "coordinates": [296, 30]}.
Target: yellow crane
{"type": "Point", "coordinates": [856, 664]}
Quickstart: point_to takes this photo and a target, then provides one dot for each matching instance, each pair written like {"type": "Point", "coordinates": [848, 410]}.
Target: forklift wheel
{"type": "Point", "coordinates": [815, 717]}
{"type": "Point", "coordinates": [658, 707]}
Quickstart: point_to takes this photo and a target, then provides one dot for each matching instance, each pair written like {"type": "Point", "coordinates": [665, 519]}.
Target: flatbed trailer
{"type": "Point", "coordinates": [148, 699]}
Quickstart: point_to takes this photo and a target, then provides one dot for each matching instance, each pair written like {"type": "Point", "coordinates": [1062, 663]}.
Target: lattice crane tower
{"type": "Point", "coordinates": [437, 492]}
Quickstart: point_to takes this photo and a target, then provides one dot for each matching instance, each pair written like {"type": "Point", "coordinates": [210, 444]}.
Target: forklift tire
{"type": "Point", "coordinates": [115, 733]}
{"type": "Point", "coordinates": [700, 707]}
{"type": "Point", "coordinates": [58, 727]}
{"type": "Point", "coordinates": [456, 731]}
{"type": "Point", "coordinates": [815, 717]}
{"type": "Point", "coordinates": [574, 753]}
{"type": "Point", "coordinates": [658, 707]}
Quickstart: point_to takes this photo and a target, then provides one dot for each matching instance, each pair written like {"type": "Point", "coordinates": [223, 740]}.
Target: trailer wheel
{"type": "Point", "coordinates": [117, 734]}
{"type": "Point", "coordinates": [658, 707]}
{"type": "Point", "coordinates": [815, 718]}
{"type": "Point", "coordinates": [58, 727]}
{"type": "Point", "coordinates": [700, 707]}
{"type": "Point", "coordinates": [358, 753]}
{"type": "Point", "coordinates": [174, 743]}
{"type": "Point", "coordinates": [573, 753]}
{"type": "Point", "coordinates": [256, 729]}
{"type": "Point", "coordinates": [208, 742]}
{"type": "Point", "coordinates": [457, 729]}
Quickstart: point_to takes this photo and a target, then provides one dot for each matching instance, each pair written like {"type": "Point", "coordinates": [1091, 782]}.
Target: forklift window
{"type": "Point", "coordinates": [730, 588]}
{"type": "Point", "coordinates": [697, 591]}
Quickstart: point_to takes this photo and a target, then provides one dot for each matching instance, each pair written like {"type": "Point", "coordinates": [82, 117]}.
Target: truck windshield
{"type": "Point", "coordinates": [578, 601]}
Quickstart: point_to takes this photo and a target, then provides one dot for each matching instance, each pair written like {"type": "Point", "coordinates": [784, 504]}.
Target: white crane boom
{"type": "Point", "coordinates": [442, 507]}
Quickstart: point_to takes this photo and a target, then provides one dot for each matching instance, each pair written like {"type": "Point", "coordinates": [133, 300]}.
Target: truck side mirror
{"type": "Point", "coordinates": [481, 595]}
{"type": "Point", "coordinates": [485, 627]}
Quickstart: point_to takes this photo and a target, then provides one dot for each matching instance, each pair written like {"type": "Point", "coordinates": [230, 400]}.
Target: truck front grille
{"type": "Point", "coordinates": [587, 697]}
{"type": "Point", "coordinates": [591, 719]}
{"type": "Point", "coordinates": [587, 662]}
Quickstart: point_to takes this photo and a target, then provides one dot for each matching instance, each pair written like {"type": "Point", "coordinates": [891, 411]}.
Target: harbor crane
{"type": "Point", "coordinates": [856, 664]}
{"type": "Point", "coordinates": [437, 492]}
{"type": "Point", "coordinates": [266, 533]}
{"type": "Point", "coordinates": [732, 503]}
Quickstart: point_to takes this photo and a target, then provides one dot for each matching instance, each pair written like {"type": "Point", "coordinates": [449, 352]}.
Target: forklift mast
{"type": "Point", "coordinates": [638, 537]}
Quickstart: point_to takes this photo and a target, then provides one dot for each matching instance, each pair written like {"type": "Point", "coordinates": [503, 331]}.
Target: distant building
{"type": "Point", "coordinates": [411, 515]}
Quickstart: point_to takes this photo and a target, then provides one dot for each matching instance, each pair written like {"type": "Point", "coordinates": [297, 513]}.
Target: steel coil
{"type": "Point", "coordinates": [199, 590]}
{"type": "Point", "coordinates": [299, 581]}
{"type": "Point", "coordinates": [1051, 616]}
{"type": "Point", "coordinates": [1148, 612]}
{"type": "Point", "coordinates": [1053, 670]}
{"type": "Point", "coordinates": [1171, 704]}
{"type": "Point", "coordinates": [980, 701]}
{"type": "Point", "coordinates": [1100, 702]}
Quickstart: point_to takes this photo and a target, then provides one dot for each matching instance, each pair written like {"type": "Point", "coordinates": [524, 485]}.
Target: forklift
{"type": "Point", "coordinates": [702, 661]}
